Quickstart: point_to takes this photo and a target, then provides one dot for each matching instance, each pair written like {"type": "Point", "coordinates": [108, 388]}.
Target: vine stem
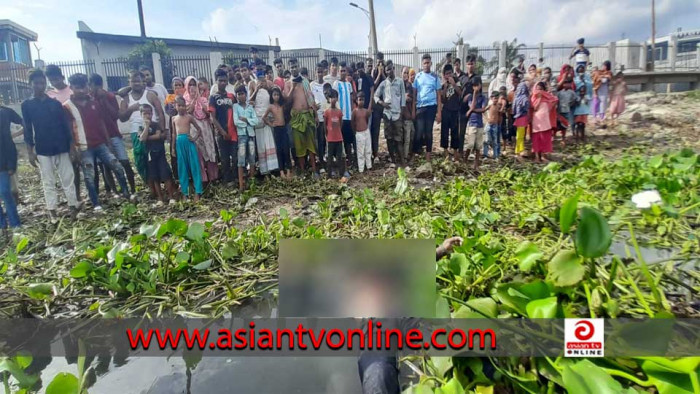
{"type": "Point", "coordinates": [645, 269]}
{"type": "Point", "coordinates": [625, 375]}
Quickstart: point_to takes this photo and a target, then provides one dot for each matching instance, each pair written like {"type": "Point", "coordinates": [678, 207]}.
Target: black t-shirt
{"type": "Point", "coordinates": [154, 145]}
{"type": "Point", "coordinates": [222, 106]}
{"type": "Point", "coordinates": [364, 86]}
{"type": "Point", "coordinates": [467, 82]}
{"type": "Point", "coordinates": [8, 152]}
{"type": "Point", "coordinates": [375, 72]}
{"type": "Point", "coordinates": [450, 97]}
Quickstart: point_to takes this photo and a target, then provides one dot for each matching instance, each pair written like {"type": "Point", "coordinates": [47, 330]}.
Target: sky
{"type": "Point", "coordinates": [336, 25]}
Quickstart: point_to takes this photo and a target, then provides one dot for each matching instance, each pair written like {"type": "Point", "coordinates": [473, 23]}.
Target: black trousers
{"type": "Point", "coordinates": [377, 112]}
{"type": "Point", "coordinates": [449, 129]}
{"type": "Point", "coordinates": [228, 152]}
{"type": "Point", "coordinates": [282, 146]}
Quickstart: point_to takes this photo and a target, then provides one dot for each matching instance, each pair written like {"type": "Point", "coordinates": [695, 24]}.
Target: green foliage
{"type": "Point", "coordinates": [141, 55]}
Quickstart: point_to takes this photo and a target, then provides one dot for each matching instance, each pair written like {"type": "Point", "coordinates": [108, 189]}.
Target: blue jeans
{"type": "Point", "coordinates": [10, 203]}
{"type": "Point", "coordinates": [88, 158]}
{"type": "Point", "coordinates": [493, 140]}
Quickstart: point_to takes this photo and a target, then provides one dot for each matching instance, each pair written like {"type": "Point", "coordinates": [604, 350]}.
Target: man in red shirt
{"type": "Point", "coordinates": [90, 137]}
{"type": "Point", "coordinates": [109, 109]}
{"type": "Point", "coordinates": [279, 67]}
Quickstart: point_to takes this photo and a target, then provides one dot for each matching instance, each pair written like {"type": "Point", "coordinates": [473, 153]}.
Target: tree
{"type": "Point", "coordinates": [512, 54]}
{"type": "Point", "coordinates": [140, 55]}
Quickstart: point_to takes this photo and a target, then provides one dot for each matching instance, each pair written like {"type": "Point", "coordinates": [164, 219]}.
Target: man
{"type": "Point", "coordinates": [130, 111]}
{"type": "Point", "coordinates": [254, 55]}
{"type": "Point", "coordinates": [231, 78]}
{"type": "Point", "coordinates": [365, 86]}
{"type": "Point", "coordinates": [408, 115]}
{"type": "Point", "coordinates": [581, 53]}
{"type": "Point", "coordinates": [369, 65]}
{"type": "Point", "coordinates": [8, 169]}
{"type": "Point", "coordinates": [427, 85]}
{"type": "Point", "coordinates": [321, 105]}
{"type": "Point", "coordinates": [279, 67]}
{"type": "Point", "coordinates": [449, 108]}
{"type": "Point", "coordinates": [303, 122]}
{"type": "Point", "coordinates": [333, 72]}
{"type": "Point", "coordinates": [49, 141]}
{"type": "Point", "coordinates": [109, 111]}
{"type": "Point", "coordinates": [520, 67]}
{"type": "Point", "coordinates": [468, 80]}
{"type": "Point", "coordinates": [378, 76]}
{"type": "Point", "coordinates": [61, 92]}
{"type": "Point", "coordinates": [90, 137]}
{"type": "Point", "coordinates": [391, 95]}
{"type": "Point", "coordinates": [221, 108]}
{"type": "Point", "coordinates": [346, 96]}
{"type": "Point", "coordinates": [151, 84]}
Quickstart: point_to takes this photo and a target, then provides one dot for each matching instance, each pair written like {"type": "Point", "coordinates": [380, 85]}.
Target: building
{"type": "Point", "coordinates": [15, 60]}
{"type": "Point", "coordinates": [686, 43]}
{"type": "Point", "coordinates": [189, 57]}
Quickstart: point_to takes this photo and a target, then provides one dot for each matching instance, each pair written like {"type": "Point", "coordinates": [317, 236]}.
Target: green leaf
{"type": "Point", "coordinates": [451, 387]}
{"type": "Point", "coordinates": [528, 253]}
{"type": "Point", "coordinates": [485, 305]}
{"type": "Point", "coordinates": [545, 308]}
{"type": "Point", "coordinates": [12, 366]}
{"type": "Point", "coordinates": [173, 226]}
{"type": "Point", "coordinates": [656, 161]}
{"type": "Point", "coordinates": [40, 291]}
{"type": "Point", "coordinates": [593, 236]}
{"type": "Point", "coordinates": [670, 378]}
{"type": "Point", "coordinates": [420, 388]}
{"type": "Point", "coordinates": [81, 269]}
{"type": "Point", "coordinates": [565, 269]}
{"type": "Point", "coordinates": [567, 213]}
{"type": "Point", "coordinates": [182, 257]}
{"type": "Point", "coordinates": [442, 308]}
{"type": "Point", "coordinates": [458, 263]}
{"type": "Point", "coordinates": [229, 251]}
{"type": "Point", "coordinates": [23, 360]}
{"type": "Point", "coordinates": [299, 222]}
{"type": "Point", "coordinates": [225, 215]}
{"type": "Point", "coordinates": [516, 296]}
{"type": "Point", "coordinates": [441, 365]}
{"type": "Point", "coordinates": [203, 265]}
{"type": "Point", "coordinates": [149, 230]}
{"type": "Point", "coordinates": [63, 383]}
{"type": "Point", "coordinates": [195, 232]}
{"type": "Point", "coordinates": [402, 182]}
{"type": "Point", "coordinates": [585, 377]}
{"type": "Point", "coordinates": [21, 245]}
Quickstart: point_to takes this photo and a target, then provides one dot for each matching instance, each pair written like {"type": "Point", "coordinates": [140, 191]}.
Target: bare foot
{"type": "Point", "coordinates": [196, 198]}
{"type": "Point", "coordinates": [544, 159]}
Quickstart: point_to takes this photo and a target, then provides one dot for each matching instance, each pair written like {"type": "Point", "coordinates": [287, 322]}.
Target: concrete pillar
{"type": "Point", "coordinates": [502, 55]}
{"type": "Point", "coordinates": [697, 57]}
{"type": "Point", "coordinates": [157, 68]}
{"type": "Point", "coordinates": [416, 59]}
{"type": "Point", "coordinates": [465, 48]}
{"type": "Point", "coordinates": [321, 54]}
{"type": "Point", "coordinates": [38, 63]}
{"type": "Point", "coordinates": [672, 51]}
{"type": "Point", "coordinates": [540, 51]}
{"type": "Point", "coordinates": [271, 57]}
{"type": "Point", "coordinates": [215, 58]}
{"type": "Point", "coordinates": [611, 55]}
{"type": "Point", "coordinates": [643, 56]}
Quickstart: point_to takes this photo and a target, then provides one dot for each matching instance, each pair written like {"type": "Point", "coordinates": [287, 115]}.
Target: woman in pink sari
{"type": "Point", "coordinates": [544, 121]}
{"type": "Point", "coordinates": [197, 105]}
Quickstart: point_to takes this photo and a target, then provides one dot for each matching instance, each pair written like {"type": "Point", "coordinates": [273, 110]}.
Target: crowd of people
{"type": "Point", "coordinates": [264, 120]}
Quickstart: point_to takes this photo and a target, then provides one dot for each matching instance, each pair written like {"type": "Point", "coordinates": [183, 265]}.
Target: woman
{"type": "Point", "coordinates": [619, 90]}
{"type": "Point", "coordinates": [499, 81]}
{"type": "Point", "coordinates": [566, 76]}
{"type": "Point", "coordinates": [197, 106]}
{"type": "Point", "coordinates": [601, 88]}
{"type": "Point", "coordinates": [544, 121]}
{"type": "Point", "coordinates": [264, 138]}
{"type": "Point", "coordinates": [521, 118]}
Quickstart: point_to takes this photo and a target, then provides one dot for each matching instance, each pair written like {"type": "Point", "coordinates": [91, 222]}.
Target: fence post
{"type": "Point", "coordinates": [215, 58]}
{"type": "Point", "coordinates": [271, 57]}
{"type": "Point", "coordinates": [321, 54]}
{"type": "Point", "coordinates": [672, 51]}
{"type": "Point", "coordinates": [540, 51]}
{"type": "Point", "coordinates": [416, 59]}
{"type": "Point", "coordinates": [643, 57]}
{"type": "Point", "coordinates": [502, 54]}
{"type": "Point", "coordinates": [611, 55]}
{"type": "Point", "coordinates": [157, 68]}
{"type": "Point", "coordinates": [461, 53]}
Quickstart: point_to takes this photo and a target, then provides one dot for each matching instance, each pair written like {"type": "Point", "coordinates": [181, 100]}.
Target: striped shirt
{"type": "Point", "coordinates": [86, 123]}
{"type": "Point", "coordinates": [344, 90]}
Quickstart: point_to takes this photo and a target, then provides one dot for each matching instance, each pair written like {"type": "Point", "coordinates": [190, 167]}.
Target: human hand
{"type": "Point", "coordinates": [449, 244]}
{"type": "Point", "coordinates": [32, 157]}
{"type": "Point", "coordinates": [438, 118]}
{"type": "Point", "coordinates": [74, 155]}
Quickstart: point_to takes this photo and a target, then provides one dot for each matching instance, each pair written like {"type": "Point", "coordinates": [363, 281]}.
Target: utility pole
{"type": "Point", "coordinates": [373, 28]}
{"type": "Point", "coordinates": [141, 22]}
{"type": "Point", "coordinates": [653, 34]}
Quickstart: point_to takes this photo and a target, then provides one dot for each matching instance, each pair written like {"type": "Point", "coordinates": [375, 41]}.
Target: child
{"type": "Point", "coordinates": [505, 110]}
{"type": "Point", "coordinates": [451, 92]}
{"type": "Point", "coordinates": [475, 123]}
{"type": "Point", "coordinates": [521, 110]}
{"type": "Point", "coordinates": [158, 169]}
{"type": "Point", "coordinates": [360, 125]}
{"type": "Point", "coordinates": [493, 124]}
{"type": "Point", "coordinates": [187, 156]}
{"type": "Point", "coordinates": [619, 90]}
{"type": "Point", "coordinates": [274, 117]}
{"type": "Point", "coordinates": [567, 99]}
{"type": "Point", "coordinates": [346, 96]}
{"type": "Point", "coordinates": [245, 119]}
{"type": "Point", "coordinates": [317, 89]}
{"type": "Point", "coordinates": [8, 168]}
{"type": "Point", "coordinates": [221, 108]}
{"type": "Point", "coordinates": [581, 112]}
{"type": "Point", "coordinates": [601, 88]}
{"type": "Point", "coordinates": [544, 117]}
{"type": "Point", "coordinates": [333, 118]}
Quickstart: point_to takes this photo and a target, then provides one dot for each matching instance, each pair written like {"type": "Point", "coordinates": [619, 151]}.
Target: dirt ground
{"type": "Point", "coordinates": [654, 122]}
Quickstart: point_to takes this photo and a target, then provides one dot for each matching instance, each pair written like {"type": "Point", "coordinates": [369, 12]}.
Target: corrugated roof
{"type": "Point", "coordinates": [91, 36]}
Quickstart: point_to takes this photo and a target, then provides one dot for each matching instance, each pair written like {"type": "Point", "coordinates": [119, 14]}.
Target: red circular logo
{"type": "Point", "coordinates": [584, 330]}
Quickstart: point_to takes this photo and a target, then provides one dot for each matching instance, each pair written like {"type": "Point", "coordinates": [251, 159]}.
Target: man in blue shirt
{"type": "Point", "coordinates": [50, 143]}
{"type": "Point", "coordinates": [475, 124]}
{"type": "Point", "coordinates": [427, 85]}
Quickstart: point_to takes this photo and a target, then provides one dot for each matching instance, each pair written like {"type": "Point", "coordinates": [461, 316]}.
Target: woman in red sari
{"type": "Point", "coordinates": [544, 121]}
